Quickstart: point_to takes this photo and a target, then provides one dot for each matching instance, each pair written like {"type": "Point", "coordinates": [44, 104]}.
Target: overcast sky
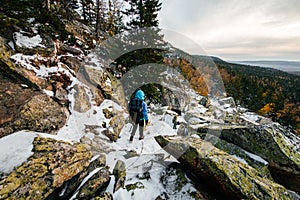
{"type": "Point", "coordinates": [236, 29]}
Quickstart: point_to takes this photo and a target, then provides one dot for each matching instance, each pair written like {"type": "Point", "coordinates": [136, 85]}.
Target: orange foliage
{"type": "Point", "coordinates": [267, 109]}
{"type": "Point", "coordinates": [195, 77]}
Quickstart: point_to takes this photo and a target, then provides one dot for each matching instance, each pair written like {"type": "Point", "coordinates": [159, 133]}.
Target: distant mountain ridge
{"type": "Point", "coordinates": [287, 66]}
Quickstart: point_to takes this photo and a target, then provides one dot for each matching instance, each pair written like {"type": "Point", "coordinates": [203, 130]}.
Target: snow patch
{"type": "Point", "coordinates": [28, 42]}
{"type": "Point", "coordinates": [240, 159]}
{"type": "Point", "coordinates": [256, 157]}
{"type": "Point", "coordinates": [15, 149]}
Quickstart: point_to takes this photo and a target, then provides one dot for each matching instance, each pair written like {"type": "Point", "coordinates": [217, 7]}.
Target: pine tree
{"type": "Point", "coordinates": [88, 13]}
{"type": "Point", "coordinates": [115, 19]}
{"type": "Point", "coordinates": [100, 21]}
{"type": "Point", "coordinates": [143, 13]}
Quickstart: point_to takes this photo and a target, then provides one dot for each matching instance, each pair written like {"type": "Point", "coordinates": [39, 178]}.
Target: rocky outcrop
{"type": "Point", "coordinates": [116, 123]}
{"type": "Point", "coordinates": [94, 185]}
{"type": "Point", "coordinates": [120, 175]}
{"type": "Point", "coordinates": [272, 142]}
{"type": "Point", "coordinates": [82, 102]}
{"type": "Point", "coordinates": [236, 180]}
{"type": "Point", "coordinates": [15, 92]}
{"type": "Point", "coordinates": [54, 171]}
{"type": "Point", "coordinates": [83, 33]}
{"type": "Point", "coordinates": [25, 107]}
{"type": "Point", "coordinates": [101, 80]}
{"type": "Point", "coordinates": [42, 114]}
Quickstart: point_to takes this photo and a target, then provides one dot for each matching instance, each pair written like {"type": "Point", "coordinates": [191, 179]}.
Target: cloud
{"type": "Point", "coordinates": [243, 27]}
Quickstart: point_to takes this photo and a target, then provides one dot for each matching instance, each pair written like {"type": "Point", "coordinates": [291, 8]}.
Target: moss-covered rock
{"type": "Point", "coordinates": [82, 101]}
{"type": "Point", "coordinates": [134, 186]}
{"type": "Point", "coordinates": [130, 154]}
{"type": "Point", "coordinates": [223, 172]}
{"type": "Point", "coordinates": [42, 114]}
{"type": "Point", "coordinates": [253, 160]}
{"type": "Point", "coordinates": [120, 175]}
{"type": "Point", "coordinates": [104, 196]}
{"type": "Point", "coordinates": [273, 143]}
{"type": "Point", "coordinates": [94, 186]}
{"type": "Point", "coordinates": [54, 171]}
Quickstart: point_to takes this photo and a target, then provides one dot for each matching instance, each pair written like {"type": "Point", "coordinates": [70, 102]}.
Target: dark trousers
{"type": "Point", "coordinates": [141, 128]}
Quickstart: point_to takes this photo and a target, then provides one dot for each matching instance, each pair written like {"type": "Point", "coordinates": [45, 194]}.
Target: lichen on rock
{"type": "Point", "coordinates": [41, 114]}
{"type": "Point", "coordinates": [271, 142]}
{"type": "Point", "coordinates": [120, 175]}
{"type": "Point", "coordinates": [54, 167]}
{"type": "Point", "coordinates": [94, 185]}
{"type": "Point", "coordinates": [222, 171]}
{"type": "Point", "coordinates": [82, 102]}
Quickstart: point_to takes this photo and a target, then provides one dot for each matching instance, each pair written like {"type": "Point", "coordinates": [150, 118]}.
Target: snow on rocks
{"type": "Point", "coordinates": [27, 41]}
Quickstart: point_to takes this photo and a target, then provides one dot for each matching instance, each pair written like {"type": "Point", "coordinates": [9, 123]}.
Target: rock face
{"type": "Point", "coordinates": [82, 101]}
{"type": "Point", "coordinates": [94, 185]}
{"type": "Point", "coordinates": [233, 178]}
{"type": "Point", "coordinates": [116, 123]}
{"type": "Point", "coordinates": [99, 79]}
{"type": "Point", "coordinates": [271, 142]}
{"type": "Point", "coordinates": [15, 91]}
{"type": "Point", "coordinates": [53, 172]}
{"type": "Point", "coordinates": [120, 175]}
{"type": "Point", "coordinates": [23, 106]}
{"type": "Point", "coordinates": [41, 114]}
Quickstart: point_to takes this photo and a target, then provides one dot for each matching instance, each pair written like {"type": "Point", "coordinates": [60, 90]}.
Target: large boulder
{"type": "Point", "coordinates": [272, 142]}
{"type": "Point", "coordinates": [41, 113]}
{"type": "Point", "coordinates": [54, 171]}
{"type": "Point", "coordinates": [253, 160]}
{"type": "Point", "coordinates": [223, 172]}
{"type": "Point", "coordinates": [95, 185]}
{"type": "Point", "coordinates": [99, 79]}
{"type": "Point", "coordinates": [120, 175]}
{"type": "Point", "coordinates": [15, 92]}
{"type": "Point", "coordinates": [82, 101]}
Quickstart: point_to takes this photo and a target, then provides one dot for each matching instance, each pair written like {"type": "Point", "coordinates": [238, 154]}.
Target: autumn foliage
{"type": "Point", "coordinates": [195, 76]}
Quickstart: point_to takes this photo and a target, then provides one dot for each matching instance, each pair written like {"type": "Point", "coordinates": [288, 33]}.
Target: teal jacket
{"type": "Point", "coordinates": [141, 95]}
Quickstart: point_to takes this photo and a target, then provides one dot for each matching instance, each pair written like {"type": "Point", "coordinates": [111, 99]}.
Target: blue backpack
{"type": "Point", "coordinates": [136, 109]}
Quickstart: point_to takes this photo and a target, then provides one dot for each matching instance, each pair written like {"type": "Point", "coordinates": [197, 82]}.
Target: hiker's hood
{"type": "Point", "coordinates": [140, 95]}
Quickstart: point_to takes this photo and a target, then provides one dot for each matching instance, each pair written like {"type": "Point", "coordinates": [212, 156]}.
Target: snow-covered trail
{"type": "Point", "coordinates": [150, 160]}
{"type": "Point", "coordinates": [16, 148]}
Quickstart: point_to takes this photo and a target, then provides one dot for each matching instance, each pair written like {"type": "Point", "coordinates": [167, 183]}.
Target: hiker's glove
{"type": "Point", "coordinates": [147, 121]}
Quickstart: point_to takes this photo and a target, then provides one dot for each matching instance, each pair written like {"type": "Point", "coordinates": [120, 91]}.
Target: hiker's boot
{"type": "Point", "coordinates": [131, 139]}
{"type": "Point", "coordinates": [141, 137]}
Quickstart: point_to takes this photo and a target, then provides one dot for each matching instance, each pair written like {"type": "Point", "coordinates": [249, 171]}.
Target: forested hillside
{"type": "Point", "coordinates": [269, 92]}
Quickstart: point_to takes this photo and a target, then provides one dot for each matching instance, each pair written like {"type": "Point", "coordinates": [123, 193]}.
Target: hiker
{"type": "Point", "coordinates": [138, 113]}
